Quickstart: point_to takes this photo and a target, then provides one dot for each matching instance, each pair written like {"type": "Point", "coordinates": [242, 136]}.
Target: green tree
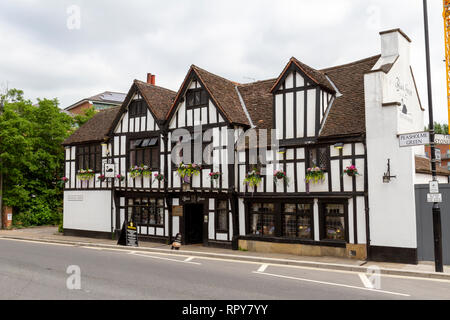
{"type": "Point", "coordinates": [81, 119]}
{"type": "Point", "coordinates": [33, 157]}
{"type": "Point", "coordinates": [439, 128]}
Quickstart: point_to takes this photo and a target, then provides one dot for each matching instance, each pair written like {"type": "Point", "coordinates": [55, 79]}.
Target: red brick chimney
{"type": "Point", "coordinates": [151, 79]}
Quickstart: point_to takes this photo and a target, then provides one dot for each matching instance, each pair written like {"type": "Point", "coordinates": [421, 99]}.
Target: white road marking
{"type": "Point", "coordinates": [366, 282]}
{"type": "Point", "coordinates": [40, 242]}
{"type": "Point", "coordinates": [166, 259]}
{"type": "Point", "coordinates": [332, 284]}
{"type": "Point", "coordinates": [189, 259]}
{"type": "Point", "coordinates": [191, 253]}
{"type": "Point", "coordinates": [263, 268]}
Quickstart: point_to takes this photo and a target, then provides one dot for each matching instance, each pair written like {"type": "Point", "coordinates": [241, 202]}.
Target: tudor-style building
{"type": "Point", "coordinates": [330, 119]}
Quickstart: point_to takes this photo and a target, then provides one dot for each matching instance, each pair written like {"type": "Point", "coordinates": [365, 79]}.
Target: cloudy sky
{"type": "Point", "coordinates": [44, 53]}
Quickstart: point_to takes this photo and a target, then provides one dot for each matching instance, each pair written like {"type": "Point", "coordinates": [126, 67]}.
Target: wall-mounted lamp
{"type": "Point", "coordinates": [339, 146]}
{"type": "Point", "coordinates": [105, 145]}
{"type": "Point", "coordinates": [282, 151]}
{"type": "Point", "coordinates": [387, 176]}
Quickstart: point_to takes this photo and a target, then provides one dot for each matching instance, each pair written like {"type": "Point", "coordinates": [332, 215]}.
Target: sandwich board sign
{"type": "Point", "coordinates": [128, 235]}
{"type": "Point", "coordinates": [414, 139]}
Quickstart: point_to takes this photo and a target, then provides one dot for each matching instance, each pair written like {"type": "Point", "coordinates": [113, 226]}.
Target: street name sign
{"type": "Point", "coordinates": [414, 139]}
{"type": "Point", "coordinates": [434, 198]}
{"type": "Point", "coordinates": [442, 139]}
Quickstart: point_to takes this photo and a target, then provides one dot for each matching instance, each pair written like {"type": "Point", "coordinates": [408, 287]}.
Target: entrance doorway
{"type": "Point", "coordinates": [193, 223]}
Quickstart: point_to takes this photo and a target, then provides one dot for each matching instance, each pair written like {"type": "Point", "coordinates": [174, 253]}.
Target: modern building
{"type": "Point", "coordinates": [442, 155]}
{"type": "Point", "coordinates": [102, 101]}
{"type": "Point", "coordinates": [331, 119]}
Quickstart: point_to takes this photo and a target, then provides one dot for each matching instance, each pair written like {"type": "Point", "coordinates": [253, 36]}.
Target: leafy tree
{"type": "Point", "coordinates": [81, 119]}
{"type": "Point", "coordinates": [439, 128]}
{"type": "Point", "coordinates": [32, 157]}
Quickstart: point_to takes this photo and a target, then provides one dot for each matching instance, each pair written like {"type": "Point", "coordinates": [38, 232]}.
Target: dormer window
{"type": "Point", "coordinates": [196, 98]}
{"type": "Point", "coordinates": [137, 109]}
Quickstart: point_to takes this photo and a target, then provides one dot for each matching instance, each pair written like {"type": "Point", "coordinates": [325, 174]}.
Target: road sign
{"type": "Point", "coordinates": [434, 187]}
{"type": "Point", "coordinates": [442, 139]}
{"type": "Point", "coordinates": [414, 139]}
{"type": "Point", "coordinates": [434, 198]}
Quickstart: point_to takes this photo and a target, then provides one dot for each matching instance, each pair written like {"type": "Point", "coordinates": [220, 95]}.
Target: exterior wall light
{"type": "Point", "coordinates": [282, 151]}
{"type": "Point", "coordinates": [339, 146]}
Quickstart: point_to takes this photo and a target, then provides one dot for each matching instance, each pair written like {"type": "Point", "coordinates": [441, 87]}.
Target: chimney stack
{"type": "Point", "coordinates": [151, 79]}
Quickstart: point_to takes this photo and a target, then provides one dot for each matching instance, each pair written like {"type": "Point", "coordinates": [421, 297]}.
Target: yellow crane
{"type": "Point", "coordinates": [446, 15]}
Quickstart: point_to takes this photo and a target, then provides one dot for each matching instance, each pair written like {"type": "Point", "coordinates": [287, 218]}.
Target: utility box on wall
{"type": "Point", "coordinates": [7, 217]}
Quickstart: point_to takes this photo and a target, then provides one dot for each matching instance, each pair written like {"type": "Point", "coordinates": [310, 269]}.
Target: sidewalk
{"type": "Point", "coordinates": [50, 234]}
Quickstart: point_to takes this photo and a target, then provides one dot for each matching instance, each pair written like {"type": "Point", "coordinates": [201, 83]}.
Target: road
{"type": "Point", "coordinates": [33, 270]}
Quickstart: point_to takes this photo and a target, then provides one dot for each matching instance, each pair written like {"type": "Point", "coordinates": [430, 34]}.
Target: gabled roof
{"type": "Point", "coordinates": [95, 130]}
{"type": "Point", "coordinates": [222, 91]}
{"type": "Point", "coordinates": [347, 115]}
{"type": "Point", "coordinates": [318, 77]}
{"type": "Point", "coordinates": [158, 100]}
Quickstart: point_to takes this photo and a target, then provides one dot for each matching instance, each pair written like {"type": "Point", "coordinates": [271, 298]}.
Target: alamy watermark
{"type": "Point", "coordinates": [74, 17]}
{"type": "Point", "coordinates": [73, 282]}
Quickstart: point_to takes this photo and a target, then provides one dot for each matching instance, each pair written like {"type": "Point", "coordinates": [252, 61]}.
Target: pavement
{"type": "Point", "coordinates": [51, 235]}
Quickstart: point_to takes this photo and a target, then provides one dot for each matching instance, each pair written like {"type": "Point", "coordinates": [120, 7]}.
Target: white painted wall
{"type": "Point", "coordinates": [87, 210]}
{"type": "Point", "coordinates": [392, 206]}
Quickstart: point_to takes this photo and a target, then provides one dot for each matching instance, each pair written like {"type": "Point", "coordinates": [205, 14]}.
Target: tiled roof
{"type": "Point", "coordinates": [224, 94]}
{"type": "Point", "coordinates": [159, 99]}
{"type": "Point", "coordinates": [259, 102]}
{"type": "Point", "coordinates": [347, 114]}
{"type": "Point", "coordinates": [95, 130]}
{"type": "Point", "coordinates": [423, 165]}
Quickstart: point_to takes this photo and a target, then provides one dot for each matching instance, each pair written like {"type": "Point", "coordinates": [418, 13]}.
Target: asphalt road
{"type": "Point", "coordinates": [31, 270]}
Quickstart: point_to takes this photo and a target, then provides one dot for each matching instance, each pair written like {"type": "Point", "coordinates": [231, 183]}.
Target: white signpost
{"type": "Point", "coordinates": [414, 139]}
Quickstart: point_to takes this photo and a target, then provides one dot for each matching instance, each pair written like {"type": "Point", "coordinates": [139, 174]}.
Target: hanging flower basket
{"type": "Point", "coordinates": [215, 176]}
{"type": "Point", "coordinates": [146, 172]}
{"type": "Point", "coordinates": [314, 175]}
{"type": "Point", "coordinates": [253, 179]}
{"type": "Point", "coordinates": [159, 177]}
{"type": "Point", "coordinates": [63, 181]}
{"type": "Point", "coordinates": [85, 175]}
{"type": "Point", "coordinates": [280, 176]}
{"type": "Point", "coordinates": [351, 171]}
{"type": "Point", "coordinates": [135, 172]}
{"type": "Point", "coordinates": [186, 171]}
{"type": "Point", "coordinates": [102, 178]}
{"type": "Point", "coordinates": [120, 177]}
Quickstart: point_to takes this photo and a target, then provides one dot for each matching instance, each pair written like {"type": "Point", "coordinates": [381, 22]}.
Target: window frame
{"type": "Point", "coordinates": [309, 161]}
{"type": "Point", "coordinates": [297, 216]}
{"type": "Point", "coordinates": [322, 219]}
{"type": "Point", "coordinates": [156, 147]}
{"type": "Point", "coordinates": [201, 103]}
{"type": "Point", "coordinates": [251, 213]}
{"type": "Point", "coordinates": [141, 110]}
{"type": "Point", "coordinates": [216, 216]}
{"type": "Point", "coordinates": [97, 166]}
{"type": "Point", "coordinates": [135, 206]}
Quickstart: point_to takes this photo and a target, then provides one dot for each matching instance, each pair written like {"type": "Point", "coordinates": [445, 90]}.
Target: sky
{"type": "Point", "coordinates": [74, 49]}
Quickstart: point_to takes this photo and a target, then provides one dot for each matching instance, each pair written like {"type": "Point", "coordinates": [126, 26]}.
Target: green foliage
{"type": "Point", "coordinates": [32, 158]}
{"type": "Point", "coordinates": [439, 128]}
{"type": "Point", "coordinates": [81, 119]}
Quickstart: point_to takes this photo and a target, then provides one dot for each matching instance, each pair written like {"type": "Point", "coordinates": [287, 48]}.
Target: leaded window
{"type": "Point", "coordinates": [318, 157]}
{"type": "Point", "coordinates": [262, 219]}
{"type": "Point", "coordinates": [137, 108]}
{"type": "Point", "coordinates": [196, 98]}
{"type": "Point", "coordinates": [297, 221]}
{"type": "Point", "coordinates": [89, 157]}
{"type": "Point", "coordinates": [222, 216]}
{"type": "Point", "coordinates": [333, 222]}
{"type": "Point", "coordinates": [145, 152]}
{"type": "Point", "coordinates": [146, 211]}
